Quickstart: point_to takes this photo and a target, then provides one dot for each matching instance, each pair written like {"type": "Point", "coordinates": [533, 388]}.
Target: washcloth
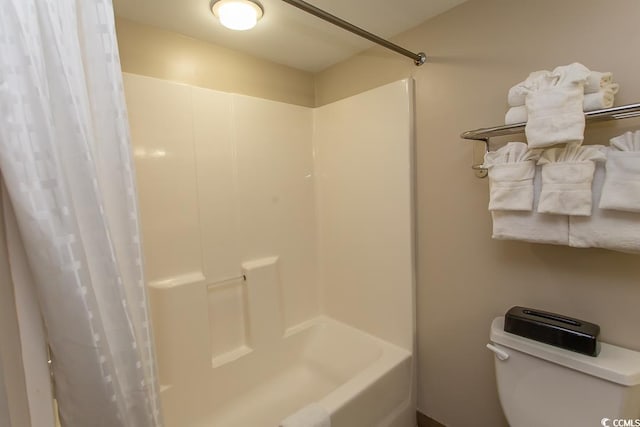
{"type": "Point", "coordinates": [567, 174]}
{"type": "Point", "coordinates": [609, 229]}
{"type": "Point", "coordinates": [531, 226]}
{"type": "Point", "coordinates": [312, 415]}
{"type": "Point", "coordinates": [621, 190]}
{"type": "Point", "coordinates": [593, 101]}
{"type": "Point", "coordinates": [554, 106]}
{"type": "Point", "coordinates": [597, 80]}
{"type": "Point", "coordinates": [511, 170]}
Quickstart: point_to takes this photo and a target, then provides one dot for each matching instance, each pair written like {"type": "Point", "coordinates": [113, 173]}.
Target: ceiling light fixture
{"type": "Point", "coordinates": [237, 14]}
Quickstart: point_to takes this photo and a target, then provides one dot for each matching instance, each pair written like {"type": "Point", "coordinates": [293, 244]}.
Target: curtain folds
{"type": "Point", "coordinates": [65, 157]}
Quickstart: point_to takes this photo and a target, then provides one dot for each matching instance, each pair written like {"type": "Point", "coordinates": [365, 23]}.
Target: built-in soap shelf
{"type": "Point", "coordinates": [245, 312]}
{"type": "Point", "coordinates": [227, 310]}
{"type": "Point", "coordinates": [485, 134]}
{"type": "Point", "coordinates": [230, 356]}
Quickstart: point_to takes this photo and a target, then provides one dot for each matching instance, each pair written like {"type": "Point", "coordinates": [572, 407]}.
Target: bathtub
{"type": "Point", "coordinates": [362, 381]}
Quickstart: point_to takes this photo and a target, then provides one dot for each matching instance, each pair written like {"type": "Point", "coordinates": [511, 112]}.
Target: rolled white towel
{"type": "Point", "coordinates": [567, 174]}
{"type": "Point", "coordinates": [312, 415]}
{"type": "Point", "coordinates": [511, 171]}
{"type": "Point", "coordinates": [597, 80]}
{"type": "Point", "coordinates": [592, 101]}
{"type": "Point", "coordinates": [621, 190]}
{"type": "Point", "coordinates": [604, 98]}
{"type": "Point", "coordinates": [605, 228]}
{"type": "Point", "coordinates": [531, 226]}
{"type": "Point", "coordinates": [516, 115]}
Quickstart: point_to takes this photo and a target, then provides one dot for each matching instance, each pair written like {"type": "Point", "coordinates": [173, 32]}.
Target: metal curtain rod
{"type": "Point", "coordinates": [418, 58]}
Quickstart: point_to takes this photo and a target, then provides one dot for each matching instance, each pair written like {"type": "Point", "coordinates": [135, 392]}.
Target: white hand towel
{"type": "Point", "coordinates": [567, 174]}
{"type": "Point", "coordinates": [511, 171]}
{"type": "Point", "coordinates": [621, 189]}
{"type": "Point", "coordinates": [609, 229]}
{"type": "Point", "coordinates": [518, 93]}
{"type": "Point", "coordinates": [596, 81]}
{"type": "Point", "coordinates": [555, 108]}
{"type": "Point", "coordinates": [531, 226]}
{"type": "Point", "coordinates": [312, 415]}
{"type": "Point", "coordinates": [593, 101]}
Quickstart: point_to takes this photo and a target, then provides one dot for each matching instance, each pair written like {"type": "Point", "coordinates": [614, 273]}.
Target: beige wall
{"type": "Point", "coordinates": [167, 55]}
{"type": "Point", "coordinates": [477, 51]}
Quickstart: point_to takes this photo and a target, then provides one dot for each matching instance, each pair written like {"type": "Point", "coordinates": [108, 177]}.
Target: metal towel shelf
{"type": "Point", "coordinates": [485, 134]}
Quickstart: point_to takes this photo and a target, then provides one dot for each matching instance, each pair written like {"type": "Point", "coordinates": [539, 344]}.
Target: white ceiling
{"type": "Point", "coordinates": [286, 34]}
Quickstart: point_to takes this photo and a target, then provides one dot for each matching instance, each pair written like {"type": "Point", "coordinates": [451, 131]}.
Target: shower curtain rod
{"type": "Point", "coordinates": [418, 58]}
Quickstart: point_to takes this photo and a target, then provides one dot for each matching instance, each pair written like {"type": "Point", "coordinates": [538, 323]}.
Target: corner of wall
{"type": "Point", "coordinates": [155, 52]}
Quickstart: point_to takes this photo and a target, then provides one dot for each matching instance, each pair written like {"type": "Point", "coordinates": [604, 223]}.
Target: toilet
{"type": "Point", "coordinates": [545, 386]}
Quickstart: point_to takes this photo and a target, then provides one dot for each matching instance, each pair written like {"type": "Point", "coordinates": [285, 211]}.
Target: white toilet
{"type": "Point", "coordinates": [545, 386]}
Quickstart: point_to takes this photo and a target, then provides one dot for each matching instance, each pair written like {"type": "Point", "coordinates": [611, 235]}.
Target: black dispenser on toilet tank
{"type": "Point", "coordinates": [553, 329]}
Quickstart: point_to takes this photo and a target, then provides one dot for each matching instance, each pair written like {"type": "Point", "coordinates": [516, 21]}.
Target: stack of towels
{"type": "Point", "coordinates": [580, 196]}
{"type": "Point", "coordinates": [569, 89]}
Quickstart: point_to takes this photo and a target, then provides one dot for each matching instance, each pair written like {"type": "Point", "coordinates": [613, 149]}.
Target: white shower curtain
{"type": "Point", "coordinates": [65, 158]}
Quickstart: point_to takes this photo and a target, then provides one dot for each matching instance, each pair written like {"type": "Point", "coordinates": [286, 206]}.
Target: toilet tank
{"type": "Point", "coordinates": [545, 386]}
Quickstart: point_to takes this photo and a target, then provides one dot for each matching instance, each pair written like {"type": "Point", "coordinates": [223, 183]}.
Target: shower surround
{"type": "Point", "coordinates": [278, 246]}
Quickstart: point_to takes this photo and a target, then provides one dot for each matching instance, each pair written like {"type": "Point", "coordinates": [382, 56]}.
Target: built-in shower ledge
{"type": "Point", "coordinates": [230, 356]}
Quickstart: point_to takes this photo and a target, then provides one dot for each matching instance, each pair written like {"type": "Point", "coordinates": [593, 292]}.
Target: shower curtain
{"type": "Point", "coordinates": [65, 159]}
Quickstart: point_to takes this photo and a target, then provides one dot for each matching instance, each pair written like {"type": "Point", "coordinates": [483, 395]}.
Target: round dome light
{"type": "Point", "coordinates": [237, 14]}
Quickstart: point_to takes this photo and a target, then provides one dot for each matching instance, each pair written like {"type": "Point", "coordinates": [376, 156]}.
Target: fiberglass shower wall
{"type": "Point", "coordinates": [225, 179]}
{"type": "Point", "coordinates": [363, 161]}
{"type": "Point", "coordinates": [222, 179]}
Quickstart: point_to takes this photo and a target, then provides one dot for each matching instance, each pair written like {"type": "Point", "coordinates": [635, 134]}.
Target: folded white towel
{"type": "Point", "coordinates": [511, 171]}
{"type": "Point", "coordinates": [609, 229]}
{"type": "Point", "coordinates": [568, 75]}
{"type": "Point", "coordinates": [621, 189]}
{"type": "Point", "coordinates": [554, 107]}
{"type": "Point", "coordinates": [596, 81]}
{"type": "Point", "coordinates": [531, 226]}
{"type": "Point", "coordinates": [518, 93]}
{"type": "Point", "coordinates": [312, 415]}
{"type": "Point", "coordinates": [555, 116]}
{"type": "Point", "coordinates": [593, 101]}
{"type": "Point", "coordinates": [567, 174]}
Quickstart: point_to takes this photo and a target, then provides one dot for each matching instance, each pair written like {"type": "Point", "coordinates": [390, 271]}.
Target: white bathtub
{"type": "Point", "coordinates": [359, 379]}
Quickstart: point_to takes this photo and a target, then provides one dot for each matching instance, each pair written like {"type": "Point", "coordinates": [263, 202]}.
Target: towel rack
{"type": "Point", "coordinates": [485, 134]}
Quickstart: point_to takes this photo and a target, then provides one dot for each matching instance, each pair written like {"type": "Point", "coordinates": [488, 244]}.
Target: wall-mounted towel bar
{"type": "Point", "coordinates": [485, 134]}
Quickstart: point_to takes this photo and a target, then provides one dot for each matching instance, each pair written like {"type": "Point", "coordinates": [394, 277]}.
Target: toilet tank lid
{"type": "Point", "coordinates": [615, 364]}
